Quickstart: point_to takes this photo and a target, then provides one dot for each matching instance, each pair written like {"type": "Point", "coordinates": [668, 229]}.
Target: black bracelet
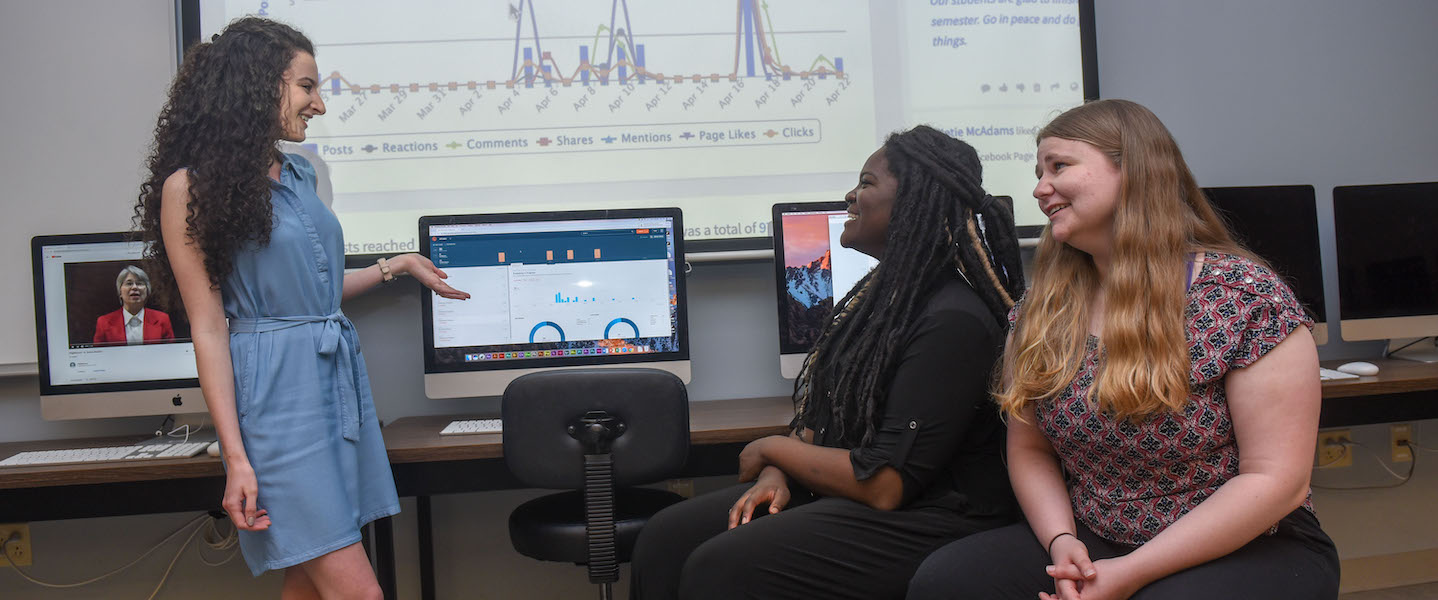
{"type": "Point", "coordinates": [1055, 539]}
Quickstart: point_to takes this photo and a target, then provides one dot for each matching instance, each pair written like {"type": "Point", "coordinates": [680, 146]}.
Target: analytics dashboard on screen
{"type": "Point", "coordinates": [561, 288]}
{"type": "Point", "coordinates": [723, 108]}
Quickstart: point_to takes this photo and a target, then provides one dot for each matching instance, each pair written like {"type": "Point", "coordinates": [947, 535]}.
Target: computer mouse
{"type": "Point", "coordinates": [1359, 368]}
{"type": "Point", "coordinates": [213, 449]}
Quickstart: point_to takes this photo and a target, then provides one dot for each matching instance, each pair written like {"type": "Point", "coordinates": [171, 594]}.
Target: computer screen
{"type": "Point", "coordinates": [560, 289]}
{"type": "Point", "coordinates": [1387, 240]}
{"type": "Point", "coordinates": [811, 270]}
{"type": "Point", "coordinates": [105, 348]}
{"type": "Point", "coordinates": [1279, 223]}
{"type": "Point", "coordinates": [722, 108]}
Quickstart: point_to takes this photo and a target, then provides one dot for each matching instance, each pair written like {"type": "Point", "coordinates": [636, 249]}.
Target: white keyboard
{"type": "Point", "coordinates": [1330, 375]}
{"type": "Point", "coordinates": [472, 426]}
{"type": "Point", "coordinates": [74, 456]}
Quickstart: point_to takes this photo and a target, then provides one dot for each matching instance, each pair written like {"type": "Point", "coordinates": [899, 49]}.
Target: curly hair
{"type": "Point", "coordinates": [221, 123]}
{"type": "Point", "coordinates": [942, 222]}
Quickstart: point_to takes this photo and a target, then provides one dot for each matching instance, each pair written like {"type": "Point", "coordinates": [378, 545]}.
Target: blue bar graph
{"type": "Point", "coordinates": [335, 86]}
{"type": "Point", "coordinates": [584, 65]}
{"type": "Point", "coordinates": [639, 61]}
{"type": "Point", "coordinates": [628, 60]}
{"type": "Point", "coordinates": [747, 17]}
{"type": "Point", "coordinates": [528, 67]}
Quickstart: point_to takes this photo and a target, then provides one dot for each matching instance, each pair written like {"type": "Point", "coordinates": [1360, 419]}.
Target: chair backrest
{"type": "Point", "coordinates": [538, 408]}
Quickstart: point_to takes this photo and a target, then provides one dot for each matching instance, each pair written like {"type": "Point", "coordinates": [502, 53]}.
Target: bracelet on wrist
{"type": "Point", "coordinates": [1055, 539]}
{"type": "Point", "coordinates": [385, 275]}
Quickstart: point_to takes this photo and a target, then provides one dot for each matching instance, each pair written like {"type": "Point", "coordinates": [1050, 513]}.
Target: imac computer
{"type": "Point", "coordinates": [1387, 240]}
{"type": "Point", "coordinates": [105, 349]}
{"type": "Point", "coordinates": [594, 288]}
{"type": "Point", "coordinates": [811, 272]}
{"type": "Point", "coordinates": [1279, 223]}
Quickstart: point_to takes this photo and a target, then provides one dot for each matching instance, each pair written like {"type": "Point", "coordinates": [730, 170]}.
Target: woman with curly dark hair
{"type": "Point", "coordinates": [235, 227]}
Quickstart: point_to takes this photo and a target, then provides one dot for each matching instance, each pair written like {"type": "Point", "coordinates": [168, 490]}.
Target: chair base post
{"type": "Point", "coordinates": [606, 591]}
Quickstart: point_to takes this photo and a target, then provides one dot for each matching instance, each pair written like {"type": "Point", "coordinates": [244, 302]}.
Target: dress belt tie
{"type": "Point", "coordinates": [332, 343]}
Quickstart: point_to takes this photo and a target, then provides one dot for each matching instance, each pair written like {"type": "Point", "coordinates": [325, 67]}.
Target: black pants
{"type": "Point", "coordinates": [815, 548]}
{"type": "Point", "coordinates": [1297, 563]}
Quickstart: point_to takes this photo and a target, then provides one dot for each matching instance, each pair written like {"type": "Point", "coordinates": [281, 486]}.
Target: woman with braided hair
{"type": "Point", "coordinates": [895, 448]}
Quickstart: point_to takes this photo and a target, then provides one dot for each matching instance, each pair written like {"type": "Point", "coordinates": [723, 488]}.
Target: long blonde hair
{"type": "Point", "coordinates": [1161, 216]}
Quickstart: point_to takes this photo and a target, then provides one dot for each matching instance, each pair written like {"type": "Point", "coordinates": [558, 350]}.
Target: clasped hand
{"type": "Point", "coordinates": [1078, 578]}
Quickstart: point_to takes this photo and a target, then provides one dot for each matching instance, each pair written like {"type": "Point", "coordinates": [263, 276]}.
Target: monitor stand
{"type": "Point", "coordinates": [1421, 349]}
{"type": "Point", "coordinates": [200, 430]}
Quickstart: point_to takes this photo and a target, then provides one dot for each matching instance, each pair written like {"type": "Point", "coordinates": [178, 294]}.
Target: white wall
{"type": "Point", "coordinates": [1269, 92]}
{"type": "Point", "coordinates": [85, 81]}
{"type": "Point", "coordinates": [1295, 92]}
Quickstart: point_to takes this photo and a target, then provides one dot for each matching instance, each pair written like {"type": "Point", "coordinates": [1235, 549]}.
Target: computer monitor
{"type": "Point", "coordinates": [600, 288]}
{"type": "Point", "coordinates": [87, 287]}
{"type": "Point", "coordinates": [1279, 223]}
{"type": "Point", "coordinates": [1387, 239]}
{"type": "Point", "coordinates": [810, 270]}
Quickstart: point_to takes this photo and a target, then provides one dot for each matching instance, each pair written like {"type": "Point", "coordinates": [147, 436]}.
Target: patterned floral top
{"type": "Point", "coordinates": [1128, 481]}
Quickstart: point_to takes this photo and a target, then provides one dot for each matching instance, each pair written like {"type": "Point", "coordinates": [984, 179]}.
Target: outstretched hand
{"type": "Point", "coordinates": [429, 275]}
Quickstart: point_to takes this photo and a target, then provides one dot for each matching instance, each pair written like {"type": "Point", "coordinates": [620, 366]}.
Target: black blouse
{"type": "Point", "coordinates": [939, 428]}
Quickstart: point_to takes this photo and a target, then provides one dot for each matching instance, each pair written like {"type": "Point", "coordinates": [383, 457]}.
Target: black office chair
{"type": "Point", "coordinates": [596, 431]}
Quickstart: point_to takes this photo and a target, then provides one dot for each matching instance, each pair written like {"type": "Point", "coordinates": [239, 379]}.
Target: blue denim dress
{"type": "Point", "coordinates": [301, 390]}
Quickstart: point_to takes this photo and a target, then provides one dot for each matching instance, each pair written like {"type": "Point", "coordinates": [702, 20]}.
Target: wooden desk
{"type": "Point", "coordinates": [424, 464]}
{"type": "Point", "coordinates": [417, 439]}
{"type": "Point", "coordinates": [1403, 390]}
{"type": "Point", "coordinates": [46, 493]}
{"type": "Point", "coordinates": [427, 464]}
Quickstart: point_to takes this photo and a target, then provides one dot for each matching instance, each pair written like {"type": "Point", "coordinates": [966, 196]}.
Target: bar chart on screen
{"type": "Point", "coordinates": [624, 89]}
{"type": "Point", "coordinates": [720, 107]}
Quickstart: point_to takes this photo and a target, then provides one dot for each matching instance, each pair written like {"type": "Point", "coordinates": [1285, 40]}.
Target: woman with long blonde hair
{"type": "Point", "coordinates": [1162, 393]}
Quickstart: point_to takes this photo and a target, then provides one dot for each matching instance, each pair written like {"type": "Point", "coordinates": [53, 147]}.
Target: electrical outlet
{"type": "Point", "coordinates": [19, 551]}
{"type": "Point", "coordinates": [1402, 435]}
{"type": "Point", "coordinates": [1333, 449]}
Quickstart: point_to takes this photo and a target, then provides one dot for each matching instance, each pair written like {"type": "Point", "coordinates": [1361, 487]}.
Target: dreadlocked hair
{"type": "Point", "coordinates": [221, 122]}
{"type": "Point", "coordinates": [941, 222]}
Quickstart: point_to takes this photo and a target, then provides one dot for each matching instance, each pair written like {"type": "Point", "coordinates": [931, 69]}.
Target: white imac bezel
{"type": "Point", "coordinates": [1371, 199]}
{"type": "Point", "coordinates": [492, 383]}
{"type": "Point", "coordinates": [137, 403]}
{"type": "Point", "coordinates": [108, 399]}
{"type": "Point", "coordinates": [791, 364]}
{"type": "Point", "coordinates": [1389, 328]}
{"type": "Point", "coordinates": [495, 377]}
